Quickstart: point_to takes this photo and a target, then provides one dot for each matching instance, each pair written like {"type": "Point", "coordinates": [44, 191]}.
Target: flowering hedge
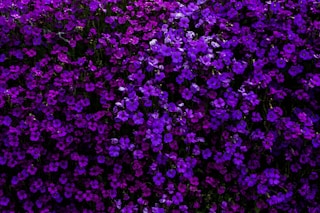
{"type": "Point", "coordinates": [159, 106]}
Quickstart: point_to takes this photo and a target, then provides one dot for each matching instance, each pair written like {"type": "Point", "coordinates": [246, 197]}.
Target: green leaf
{"type": "Point", "coordinates": [257, 210]}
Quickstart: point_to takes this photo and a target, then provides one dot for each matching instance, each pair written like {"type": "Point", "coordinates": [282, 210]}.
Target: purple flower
{"type": "Point", "coordinates": [238, 159]}
{"type": "Point", "coordinates": [138, 154]}
{"type": "Point", "coordinates": [138, 118]}
{"type": "Point", "coordinates": [219, 103]}
{"type": "Point", "coordinates": [251, 180]}
{"type": "Point", "coordinates": [281, 63]}
{"type": "Point", "coordinates": [35, 136]}
{"type": "Point", "coordinates": [239, 67]}
{"type": "Point", "coordinates": [171, 173]}
{"type": "Point", "coordinates": [273, 52]}
{"type": "Point", "coordinates": [295, 70]}
{"type": "Point", "coordinates": [83, 161]}
{"type": "Point", "coordinates": [90, 87]}
{"type": "Point", "coordinates": [289, 48]}
{"type": "Point", "coordinates": [206, 153]}
{"type": "Point", "coordinates": [132, 105]}
{"type": "Point", "coordinates": [37, 41]}
{"type": "Point", "coordinates": [184, 22]}
{"type": "Point", "coordinates": [252, 97]}
{"type": "Point", "coordinates": [18, 54]}
{"type": "Point", "coordinates": [158, 210]}
{"type": "Point", "coordinates": [85, 102]}
{"type": "Point", "coordinates": [93, 5]}
{"type": "Point", "coordinates": [262, 189]}
{"type": "Point", "coordinates": [176, 57]}
{"type": "Point", "coordinates": [114, 151]}
{"type": "Point", "coordinates": [177, 198]}
{"type": "Point", "coordinates": [305, 55]}
{"type": "Point", "coordinates": [316, 141]}
{"type": "Point", "coordinates": [273, 176]}
{"type": "Point", "coordinates": [272, 116]}
{"type": "Point", "coordinates": [168, 138]}
{"type": "Point", "coordinates": [165, 50]}
{"type": "Point", "coordinates": [298, 20]}
{"type": "Point", "coordinates": [187, 94]}
{"type": "Point", "coordinates": [214, 83]}
{"type": "Point", "coordinates": [124, 143]}
{"type": "Point", "coordinates": [156, 140]}
{"type": "Point", "coordinates": [158, 179]}
{"type": "Point", "coordinates": [123, 116]}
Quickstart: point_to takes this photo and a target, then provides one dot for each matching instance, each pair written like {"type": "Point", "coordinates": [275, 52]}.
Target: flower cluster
{"type": "Point", "coordinates": [159, 106]}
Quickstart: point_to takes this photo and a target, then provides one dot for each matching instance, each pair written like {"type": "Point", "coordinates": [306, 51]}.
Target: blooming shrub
{"type": "Point", "coordinates": [159, 106]}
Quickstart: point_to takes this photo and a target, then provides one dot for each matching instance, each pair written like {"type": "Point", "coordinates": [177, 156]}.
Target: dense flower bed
{"type": "Point", "coordinates": [159, 106]}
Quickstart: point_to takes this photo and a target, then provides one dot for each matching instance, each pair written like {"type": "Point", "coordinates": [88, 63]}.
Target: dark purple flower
{"type": "Point", "coordinates": [206, 153]}
{"type": "Point", "coordinates": [2, 57]}
{"type": "Point", "coordinates": [6, 121]}
{"type": "Point", "coordinates": [22, 195]}
{"type": "Point", "coordinates": [3, 160]}
{"type": "Point", "coordinates": [4, 201]}
{"type": "Point", "coordinates": [90, 87]}
{"type": "Point", "coordinates": [316, 141]}
{"type": "Point", "coordinates": [101, 159]}
{"type": "Point", "coordinates": [256, 117]}
{"type": "Point", "coordinates": [35, 136]}
{"type": "Point", "coordinates": [56, 123]}
{"type": "Point", "coordinates": [85, 102]}
{"type": "Point", "coordinates": [18, 54]}
{"type": "Point", "coordinates": [262, 189]}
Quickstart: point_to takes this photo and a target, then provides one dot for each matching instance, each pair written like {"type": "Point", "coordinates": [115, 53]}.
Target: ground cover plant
{"type": "Point", "coordinates": [159, 106]}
